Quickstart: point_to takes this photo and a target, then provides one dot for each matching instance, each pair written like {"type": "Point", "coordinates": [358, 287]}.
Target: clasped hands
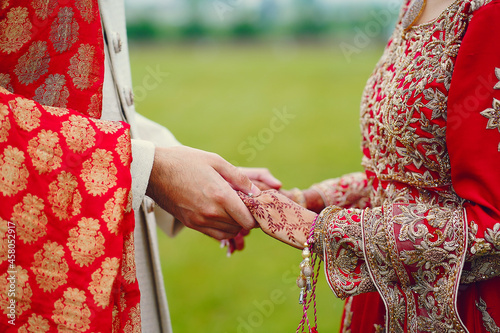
{"type": "Point", "coordinates": [203, 191]}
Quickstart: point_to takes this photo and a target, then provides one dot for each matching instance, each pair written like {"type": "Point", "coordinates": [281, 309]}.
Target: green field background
{"type": "Point", "coordinates": [223, 98]}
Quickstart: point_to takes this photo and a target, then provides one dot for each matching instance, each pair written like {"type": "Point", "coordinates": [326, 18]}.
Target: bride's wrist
{"type": "Point", "coordinates": [314, 201]}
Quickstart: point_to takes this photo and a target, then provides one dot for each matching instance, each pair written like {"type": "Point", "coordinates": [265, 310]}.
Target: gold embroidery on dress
{"type": "Point", "coordinates": [102, 281]}
{"type": "Point", "coordinates": [30, 219]}
{"type": "Point", "coordinates": [94, 109]}
{"type": "Point", "coordinates": [488, 322]}
{"type": "Point", "coordinates": [4, 237]}
{"type": "Point", "coordinates": [346, 325]}
{"type": "Point", "coordinates": [86, 242]}
{"type": "Point", "coordinates": [71, 313]}
{"type": "Point", "coordinates": [50, 267]}
{"type": "Point", "coordinates": [493, 116]}
{"type": "Point", "coordinates": [44, 8]}
{"type": "Point", "coordinates": [99, 172]}
{"type": "Point", "coordinates": [79, 134]}
{"type": "Point", "coordinates": [35, 324]}
{"type": "Point", "coordinates": [23, 291]}
{"type": "Point", "coordinates": [64, 30]}
{"type": "Point", "coordinates": [114, 210]}
{"type": "Point", "coordinates": [13, 171]}
{"type": "Point", "coordinates": [53, 92]}
{"type": "Point", "coordinates": [133, 325]}
{"type": "Point", "coordinates": [5, 82]}
{"type": "Point", "coordinates": [45, 151]}
{"type": "Point", "coordinates": [497, 73]}
{"type": "Point", "coordinates": [128, 260]}
{"type": "Point", "coordinates": [86, 9]}
{"type": "Point", "coordinates": [123, 148]}
{"type": "Point", "coordinates": [116, 320]}
{"type": "Point", "coordinates": [107, 126]}
{"type": "Point", "coordinates": [82, 69]}
{"type": "Point", "coordinates": [15, 30]}
{"type": "Point", "coordinates": [4, 122]}
{"type": "Point", "coordinates": [56, 111]}
{"type": "Point", "coordinates": [33, 64]}
{"type": "Point", "coordinates": [26, 113]}
{"type": "Point", "coordinates": [64, 196]}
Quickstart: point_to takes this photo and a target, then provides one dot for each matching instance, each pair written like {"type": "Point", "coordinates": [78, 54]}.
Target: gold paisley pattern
{"type": "Point", "coordinates": [99, 172]}
{"type": "Point", "coordinates": [26, 113]}
{"type": "Point", "coordinates": [35, 324]}
{"type": "Point", "coordinates": [86, 242]}
{"type": "Point", "coordinates": [133, 325]}
{"type": "Point", "coordinates": [15, 30]}
{"type": "Point", "coordinates": [87, 10]}
{"type": "Point", "coordinates": [44, 8]}
{"type": "Point", "coordinates": [102, 281]}
{"type": "Point", "coordinates": [5, 82]}
{"type": "Point", "coordinates": [30, 219]}
{"type": "Point", "coordinates": [114, 210]}
{"type": "Point", "coordinates": [23, 291]}
{"type": "Point", "coordinates": [71, 313]}
{"type": "Point", "coordinates": [123, 148]}
{"type": "Point", "coordinates": [64, 197]}
{"type": "Point", "coordinates": [45, 151]}
{"type": "Point", "coordinates": [13, 171]}
{"type": "Point", "coordinates": [33, 64]}
{"type": "Point", "coordinates": [53, 92]}
{"type": "Point", "coordinates": [50, 267]}
{"type": "Point", "coordinates": [81, 69]}
{"type": "Point", "coordinates": [64, 30]}
{"type": "Point", "coordinates": [79, 135]}
{"type": "Point", "coordinates": [108, 126]}
{"type": "Point", "coordinates": [4, 243]}
{"type": "Point", "coordinates": [128, 261]}
{"type": "Point", "coordinates": [4, 122]}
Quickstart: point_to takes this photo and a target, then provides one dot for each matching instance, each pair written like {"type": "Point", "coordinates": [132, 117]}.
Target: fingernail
{"type": "Point", "coordinates": [254, 190]}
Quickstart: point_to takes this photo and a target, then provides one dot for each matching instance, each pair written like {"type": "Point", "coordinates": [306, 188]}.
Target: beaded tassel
{"type": "Point", "coordinates": [307, 283]}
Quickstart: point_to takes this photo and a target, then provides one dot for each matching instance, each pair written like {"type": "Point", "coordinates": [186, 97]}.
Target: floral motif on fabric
{"type": "Point", "coordinates": [64, 30]}
{"type": "Point", "coordinates": [99, 173]}
{"type": "Point", "coordinates": [33, 64]}
{"type": "Point", "coordinates": [86, 242]}
{"type": "Point", "coordinates": [64, 197]}
{"type": "Point", "coordinates": [45, 151]}
{"type": "Point", "coordinates": [71, 311]}
{"type": "Point", "coordinates": [50, 267]}
{"type": "Point", "coordinates": [102, 281]}
{"type": "Point", "coordinates": [53, 92]}
{"type": "Point", "coordinates": [15, 30]}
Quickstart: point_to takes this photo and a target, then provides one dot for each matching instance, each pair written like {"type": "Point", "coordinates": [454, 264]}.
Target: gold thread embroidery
{"type": "Point", "coordinates": [488, 322]}
{"type": "Point", "coordinates": [55, 111]}
{"type": "Point", "coordinates": [71, 311]}
{"type": "Point", "coordinates": [15, 30]}
{"type": "Point", "coordinates": [123, 148]}
{"type": "Point", "coordinates": [128, 260]}
{"type": "Point", "coordinates": [86, 9]}
{"type": "Point", "coordinates": [26, 113]}
{"type": "Point", "coordinates": [82, 69]}
{"type": "Point", "coordinates": [13, 171]}
{"type": "Point", "coordinates": [33, 63]}
{"type": "Point", "coordinates": [4, 122]}
{"type": "Point", "coordinates": [497, 73]}
{"type": "Point", "coordinates": [45, 151]}
{"type": "Point", "coordinates": [114, 210]}
{"type": "Point", "coordinates": [64, 30]}
{"type": "Point", "coordinates": [5, 82]}
{"type": "Point", "coordinates": [95, 106]}
{"type": "Point", "coordinates": [99, 172]}
{"type": "Point", "coordinates": [86, 242]}
{"type": "Point", "coordinates": [79, 134]}
{"type": "Point", "coordinates": [108, 126]}
{"type": "Point", "coordinates": [44, 8]}
{"type": "Point", "coordinates": [35, 324]}
{"type": "Point", "coordinates": [53, 92]}
{"type": "Point", "coordinates": [102, 281]}
{"type": "Point", "coordinates": [64, 196]}
{"type": "Point", "coordinates": [133, 325]}
{"type": "Point", "coordinates": [23, 291]}
{"type": "Point", "coordinates": [50, 267]}
{"type": "Point", "coordinates": [30, 219]}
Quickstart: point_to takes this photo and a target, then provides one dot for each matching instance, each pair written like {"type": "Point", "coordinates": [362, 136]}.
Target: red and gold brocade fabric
{"type": "Point", "coordinates": [429, 242]}
{"type": "Point", "coordinates": [66, 224]}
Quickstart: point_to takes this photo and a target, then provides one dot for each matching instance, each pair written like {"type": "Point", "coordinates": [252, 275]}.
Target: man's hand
{"type": "Point", "coordinates": [198, 188]}
{"type": "Point", "coordinates": [262, 177]}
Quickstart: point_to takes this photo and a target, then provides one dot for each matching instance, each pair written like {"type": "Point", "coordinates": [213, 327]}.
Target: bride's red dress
{"type": "Point", "coordinates": [417, 247]}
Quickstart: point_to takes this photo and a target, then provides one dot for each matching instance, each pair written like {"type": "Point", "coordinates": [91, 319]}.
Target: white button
{"type": "Point", "coordinates": [117, 42]}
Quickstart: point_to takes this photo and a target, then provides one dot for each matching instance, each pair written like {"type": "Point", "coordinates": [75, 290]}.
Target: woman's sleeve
{"type": "Point", "coordinates": [416, 254]}
{"type": "Point", "coordinates": [348, 191]}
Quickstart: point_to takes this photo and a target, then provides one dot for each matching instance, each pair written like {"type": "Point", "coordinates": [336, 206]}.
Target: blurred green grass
{"type": "Point", "coordinates": [223, 99]}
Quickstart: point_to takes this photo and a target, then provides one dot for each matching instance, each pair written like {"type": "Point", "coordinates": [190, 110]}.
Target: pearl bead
{"type": "Point", "coordinates": [307, 271]}
{"type": "Point", "coordinates": [306, 253]}
{"type": "Point", "coordinates": [301, 282]}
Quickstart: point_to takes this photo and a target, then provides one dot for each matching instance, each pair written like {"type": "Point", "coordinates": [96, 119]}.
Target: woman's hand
{"type": "Point", "coordinates": [280, 217]}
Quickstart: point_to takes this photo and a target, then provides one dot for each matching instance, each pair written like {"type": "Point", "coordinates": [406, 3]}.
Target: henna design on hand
{"type": "Point", "coordinates": [280, 217]}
